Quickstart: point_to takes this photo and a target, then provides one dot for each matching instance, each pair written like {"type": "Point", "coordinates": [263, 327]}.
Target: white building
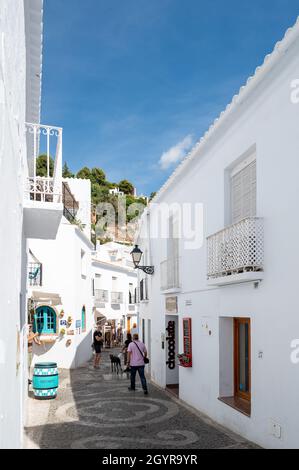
{"type": "Point", "coordinates": [228, 294]}
{"type": "Point", "coordinates": [31, 208]}
{"type": "Point", "coordinates": [115, 283]}
{"type": "Point", "coordinates": [116, 192]}
{"type": "Point", "coordinates": [60, 284]}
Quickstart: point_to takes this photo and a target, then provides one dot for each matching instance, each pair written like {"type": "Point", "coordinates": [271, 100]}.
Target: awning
{"type": "Point", "coordinates": [100, 316]}
{"type": "Point", "coordinates": [46, 297]}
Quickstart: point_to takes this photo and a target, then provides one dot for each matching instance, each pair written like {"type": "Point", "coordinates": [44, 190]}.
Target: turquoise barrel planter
{"type": "Point", "coordinates": [45, 380]}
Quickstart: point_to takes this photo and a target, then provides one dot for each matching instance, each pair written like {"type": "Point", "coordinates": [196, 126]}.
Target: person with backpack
{"type": "Point", "coordinates": [137, 358]}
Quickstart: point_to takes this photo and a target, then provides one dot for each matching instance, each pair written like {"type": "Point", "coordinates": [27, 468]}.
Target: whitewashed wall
{"type": "Point", "coordinates": [61, 260]}
{"type": "Point", "coordinates": [269, 120]}
{"type": "Point", "coordinates": [13, 252]}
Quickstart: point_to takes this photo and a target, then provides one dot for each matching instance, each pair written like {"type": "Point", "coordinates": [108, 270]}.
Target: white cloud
{"type": "Point", "coordinates": [176, 153]}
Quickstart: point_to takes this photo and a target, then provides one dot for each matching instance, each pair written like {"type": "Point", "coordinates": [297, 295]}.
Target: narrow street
{"type": "Point", "coordinates": [95, 410]}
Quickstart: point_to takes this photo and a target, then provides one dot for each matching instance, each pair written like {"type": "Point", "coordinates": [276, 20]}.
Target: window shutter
{"type": "Point", "coordinates": [243, 193]}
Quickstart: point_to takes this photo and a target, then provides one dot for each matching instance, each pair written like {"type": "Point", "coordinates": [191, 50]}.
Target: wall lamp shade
{"type": "Point", "coordinates": [136, 256]}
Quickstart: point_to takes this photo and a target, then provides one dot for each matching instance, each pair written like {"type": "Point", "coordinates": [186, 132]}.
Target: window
{"type": "Point", "coordinates": [83, 264]}
{"type": "Point", "coordinates": [131, 293]}
{"type": "Point", "coordinates": [242, 358]}
{"type": "Point", "coordinates": [45, 320]}
{"type": "Point", "coordinates": [83, 319]}
{"type": "Point", "coordinates": [243, 190]}
{"type": "Point", "coordinates": [143, 330]}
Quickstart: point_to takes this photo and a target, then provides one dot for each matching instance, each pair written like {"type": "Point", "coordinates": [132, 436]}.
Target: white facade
{"type": "Point", "coordinates": [247, 271]}
{"type": "Point", "coordinates": [65, 285]}
{"type": "Point", "coordinates": [115, 283]}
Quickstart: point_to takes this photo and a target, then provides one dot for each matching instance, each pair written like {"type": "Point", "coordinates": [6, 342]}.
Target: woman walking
{"type": "Point", "coordinates": [97, 344]}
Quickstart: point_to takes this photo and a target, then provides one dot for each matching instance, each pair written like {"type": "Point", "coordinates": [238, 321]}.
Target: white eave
{"type": "Point", "coordinates": [281, 47]}
{"type": "Point", "coordinates": [34, 46]}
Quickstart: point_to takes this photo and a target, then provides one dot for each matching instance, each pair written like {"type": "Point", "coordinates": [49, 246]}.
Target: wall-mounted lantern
{"type": "Point", "coordinates": [136, 256]}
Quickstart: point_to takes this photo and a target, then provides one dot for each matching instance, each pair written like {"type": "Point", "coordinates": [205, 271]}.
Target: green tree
{"type": "Point", "coordinates": [84, 174]}
{"type": "Point", "coordinates": [41, 166]}
{"type": "Point", "coordinates": [152, 195]}
{"type": "Point", "coordinates": [66, 173]}
{"type": "Point", "coordinates": [98, 176]}
{"type": "Point", "coordinates": [99, 193]}
{"type": "Point", "coordinates": [126, 187]}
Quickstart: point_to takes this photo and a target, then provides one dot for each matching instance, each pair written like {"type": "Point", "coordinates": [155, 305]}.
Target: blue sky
{"type": "Point", "coordinates": [135, 82]}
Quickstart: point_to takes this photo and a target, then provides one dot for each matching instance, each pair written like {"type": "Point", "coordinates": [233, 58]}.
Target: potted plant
{"type": "Point", "coordinates": [62, 332]}
{"type": "Point", "coordinates": [61, 315]}
{"type": "Point", "coordinates": [69, 320]}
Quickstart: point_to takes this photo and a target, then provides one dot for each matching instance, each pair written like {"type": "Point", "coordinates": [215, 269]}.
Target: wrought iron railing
{"type": "Point", "coordinates": [169, 270]}
{"type": "Point", "coordinates": [101, 295]}
{"type": "Point", "coordinates": [35, 274]}
{"type": "Point", "coordinates": [44, 184]}
{"type": "Point", "coordinates": [70, 205]}
{"type": "Point", "coordinates": [117, 298]}
{"type": "Point", "coordinates": [236, 249]}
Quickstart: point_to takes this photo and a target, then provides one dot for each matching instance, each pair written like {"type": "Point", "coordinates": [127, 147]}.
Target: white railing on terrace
{"type": "Point", "coordinates": [170, 274]}
{"type": "Point", "coordinates": [101, 295]}
{"type": "Point", "coordinates": [117, 298]}
{"type": "Point", "coordinates": [236, 249]}
{"type": "Point", "coordinates": [47, 141]}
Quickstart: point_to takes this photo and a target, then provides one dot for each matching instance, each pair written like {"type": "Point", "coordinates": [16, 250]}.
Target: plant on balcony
{"type": "Point", "coordinates": [185, 360]}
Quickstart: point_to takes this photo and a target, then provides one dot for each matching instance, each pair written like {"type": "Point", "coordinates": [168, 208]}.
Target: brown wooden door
{"type": "Point", "coordinates": [242, 358]}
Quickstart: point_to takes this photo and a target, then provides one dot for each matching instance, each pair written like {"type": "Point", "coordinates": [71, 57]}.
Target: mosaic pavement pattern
{"type": "Point", "coordinates": [95, 410]}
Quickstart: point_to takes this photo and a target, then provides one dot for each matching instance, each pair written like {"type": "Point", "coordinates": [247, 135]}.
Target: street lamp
{"type": "Point", "coordinates": [137, 255]}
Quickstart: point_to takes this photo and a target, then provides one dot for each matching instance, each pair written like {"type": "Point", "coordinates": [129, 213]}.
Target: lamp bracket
{"type": "Point", "coordinates": [147, 269]}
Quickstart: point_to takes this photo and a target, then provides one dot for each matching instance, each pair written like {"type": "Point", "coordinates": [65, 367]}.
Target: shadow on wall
{"type": "Point", "coordinates": [83, 351]}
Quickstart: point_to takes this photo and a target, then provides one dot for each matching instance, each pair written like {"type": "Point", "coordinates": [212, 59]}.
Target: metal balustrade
{"type": "Point", "coordinates": [45, 140]}
{"type": "Point", "coordinates": [101, 295]}
{"type": "Point", "coordinates": [117, 298]}
{"type": "Point", "coordinates": [236, 249]}
{"type": "Point", "coordinates": [169, 270]}
{"type": "Point", "coordinates": [35, 274]}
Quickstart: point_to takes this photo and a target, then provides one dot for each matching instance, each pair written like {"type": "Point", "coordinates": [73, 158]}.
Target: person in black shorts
{"type": "Point", "coordinates": [97, 344]}
{"type": "Point", "coordinates": [125, 350]}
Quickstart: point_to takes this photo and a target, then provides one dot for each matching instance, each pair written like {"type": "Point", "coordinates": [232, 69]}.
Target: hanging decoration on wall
{"type": "Point", "coordinates": [171, 345]}
{"type": "Point", "coordinates": [186, 358]}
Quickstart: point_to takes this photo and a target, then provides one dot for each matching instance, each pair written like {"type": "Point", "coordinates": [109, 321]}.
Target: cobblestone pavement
{"type": "Point", "coordinates": [95, 410]}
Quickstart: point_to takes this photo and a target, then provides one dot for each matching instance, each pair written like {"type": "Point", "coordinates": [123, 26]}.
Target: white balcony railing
{"type": "Point", "coordinates": [236, 249]}
{"type": "Point", "coordinates": [170, 274]}
{"type": "Point", "coordinates": [46, 141]}
{"type": "Point", "coordinates": [101, 296]}
{"type": "Point", "coordinates": [117, 298]}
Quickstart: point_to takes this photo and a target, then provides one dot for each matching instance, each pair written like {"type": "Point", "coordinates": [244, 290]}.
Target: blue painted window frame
{"type": "Point", "coordinates": [83, 319]}
{"type": "Point", "coordinates": [45, 320]}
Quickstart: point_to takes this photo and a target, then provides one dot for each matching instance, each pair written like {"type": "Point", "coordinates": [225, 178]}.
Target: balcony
{"type": "Point", "coordinates": [236, 253]}
{"type": "Point", "coordinates": [117, 298]}
{"type": "Point", "coordinates": [169, 270]}
{"type": "Point", "coordinates": [100, 297]}
{"type": "Point", "coordinates": [35, 274]}
{"type": "Point", "coordinates": [43, 187]}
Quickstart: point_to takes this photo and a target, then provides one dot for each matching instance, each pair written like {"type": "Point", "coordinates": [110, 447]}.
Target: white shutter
{"type": "Point", "coordinates": [243, 192]}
